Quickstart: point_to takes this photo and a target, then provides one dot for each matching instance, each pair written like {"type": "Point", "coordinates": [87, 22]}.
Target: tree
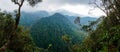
{"type": "Point", "coordinates": [105, 36]}
{"type": "Point", "coordinates": [18, 14]}
{"type": "Point", "coordinates": [20, 4]}
{"type": "Point", "coordinates": [112, 10]}
{"type": "Point", "coordinates": [77, 20]}
{"type": "Point", "coordinates": [109, 7]}
{"type": "Point", "coordinates": [67, 40]}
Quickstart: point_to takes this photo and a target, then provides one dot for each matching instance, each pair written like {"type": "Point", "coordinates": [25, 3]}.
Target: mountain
{"type": "Point", "coordinates": [49, 30]}
{"type": "Point", "coordinates": [71, 16]}
{"type": "Point", "coordinates": [28, 18]}
{"type": "Point", "coordinates": [83, 20]}
{"type": "Point", "coordinates": [64, 12]}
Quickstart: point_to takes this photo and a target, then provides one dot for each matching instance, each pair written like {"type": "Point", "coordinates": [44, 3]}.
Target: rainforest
{"type": "Point", "coordinates": [59, 26]}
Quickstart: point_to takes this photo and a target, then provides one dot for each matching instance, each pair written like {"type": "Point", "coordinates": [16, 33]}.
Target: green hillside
{"type": "Point", "coordinates": [50, 30]}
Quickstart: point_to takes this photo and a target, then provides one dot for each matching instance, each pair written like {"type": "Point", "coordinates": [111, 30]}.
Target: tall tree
{"type": "Point", "coordinates": [105, 36]}
{"type": "Point", "coordinates": [109, 7]}
{"type": "Point", "coordinates": [17, 19]}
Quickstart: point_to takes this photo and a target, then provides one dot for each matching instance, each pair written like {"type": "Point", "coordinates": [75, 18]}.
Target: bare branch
{"type": "Point", "coordinates": [99, 7]}
{"type": "Point", "coordinates": [22, 2]}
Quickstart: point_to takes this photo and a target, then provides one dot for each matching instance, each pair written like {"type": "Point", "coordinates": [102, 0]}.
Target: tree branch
{"type": "Point", "coordinates": [18, 14]}
{"type": "Point", "coordinates": [5, 46]}
{"type": "Point", "coordinates": [16, 2]}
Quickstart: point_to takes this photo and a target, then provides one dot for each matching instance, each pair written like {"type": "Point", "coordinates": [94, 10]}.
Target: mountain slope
{"type": "Point", "coordinates": [28, 18]}
{"type": "Point", "coordinates": [83, 20]}
{"type": "Point", "coordinates": [49, 30]}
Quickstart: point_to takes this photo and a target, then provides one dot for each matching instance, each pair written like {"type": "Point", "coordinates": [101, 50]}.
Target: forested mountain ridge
{"type": "Point", "coordinates": [28, 18]}
{"type": "Point", "coordinates": [58, 32]}
{"type": "Point", "coordinates": [49, 30]}
{"type": "Point", "coordinates": [83, 20]}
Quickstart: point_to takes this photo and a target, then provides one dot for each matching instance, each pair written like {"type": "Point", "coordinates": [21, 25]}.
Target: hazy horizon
{"type": "Point", "coordinates": [80, 7]}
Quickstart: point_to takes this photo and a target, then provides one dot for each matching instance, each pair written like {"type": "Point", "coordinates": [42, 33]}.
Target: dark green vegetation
{"type": "Point", "coordinates": [12, 39]}
{"type": "Point", "coordinates": [106, 37]}
{"type": "Point", "coordinates": [27, 18]}
{"type": "Point", "coordinates": [49, 30]}
{"type": "Point", "coordinates": [21, 42]}
{"type": "Point", "coordinates": [59, 24]}
{"type": "Point", "coordinates": [57, 34]}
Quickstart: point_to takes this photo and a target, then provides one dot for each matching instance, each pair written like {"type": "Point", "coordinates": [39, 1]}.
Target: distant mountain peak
{"type": "Point", "coordinates": [65, 12]}
{"type": "Point", "coordinates": [57, 14]}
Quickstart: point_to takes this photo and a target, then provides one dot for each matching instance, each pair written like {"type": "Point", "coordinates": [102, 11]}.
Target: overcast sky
{"type": "Point", "coordinates": [75, 6]}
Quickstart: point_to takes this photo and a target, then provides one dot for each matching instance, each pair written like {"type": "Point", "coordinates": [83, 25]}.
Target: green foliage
{"type": "Point", "coordinates": [21, 42]}
{"type": "Point", "coordinates": [50, 30]}
{"type": "Point", "coordinates": [6, 27]}
{"type": "Point", "coordinates": [31, 2]}
{"type": "Point", "coordinates": [105, 38]}
{"type": "Point", "coordinates": [66, 38]}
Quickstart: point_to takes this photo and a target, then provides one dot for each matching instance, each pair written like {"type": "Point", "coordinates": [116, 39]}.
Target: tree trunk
{"type": "Point", "coordinates": [6, 45]}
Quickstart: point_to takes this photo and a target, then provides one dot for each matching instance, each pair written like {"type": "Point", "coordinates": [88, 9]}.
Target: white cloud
{"type": "Point", "coordinates": [53, 5]}
{"type": "Point", "coordinates": [7, 5]}
{"type": "Point", "coordinates": [84, 10]}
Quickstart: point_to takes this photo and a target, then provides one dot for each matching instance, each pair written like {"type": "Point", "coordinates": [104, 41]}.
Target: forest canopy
{"type": "Point", "coordinates": [56, 33]}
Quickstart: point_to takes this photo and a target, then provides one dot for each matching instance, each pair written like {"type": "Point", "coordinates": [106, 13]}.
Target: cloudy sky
{"type": "Point", "coordinates": [75, 6]}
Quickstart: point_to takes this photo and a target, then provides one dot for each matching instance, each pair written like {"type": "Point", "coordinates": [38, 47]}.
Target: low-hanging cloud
{"type": "Point", "coordinates": [72, 2]}
{"type": "Point", "coordinates": [76, 6]}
